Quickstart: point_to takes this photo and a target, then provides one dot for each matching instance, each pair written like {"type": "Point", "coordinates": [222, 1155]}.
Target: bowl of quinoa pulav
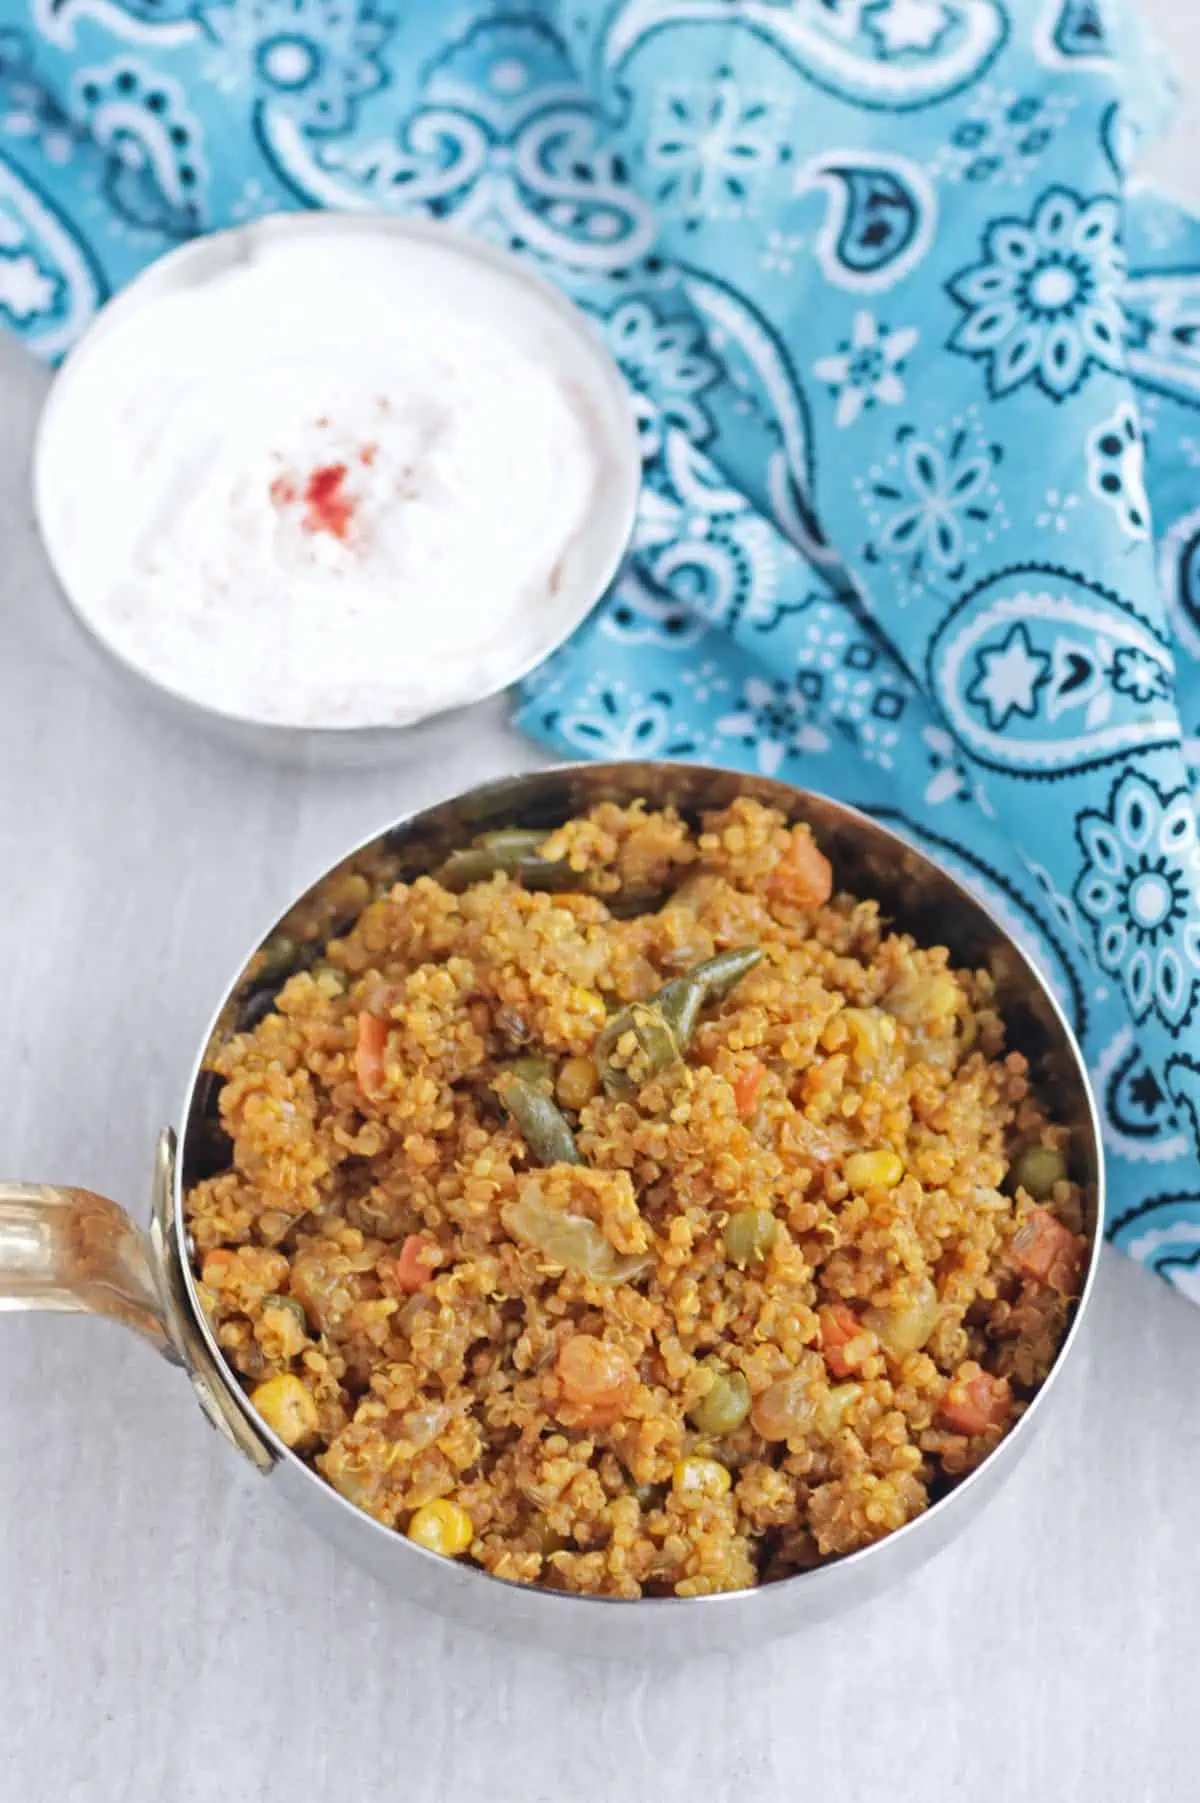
{"type": "Point", "coordinates": [642, 1184]}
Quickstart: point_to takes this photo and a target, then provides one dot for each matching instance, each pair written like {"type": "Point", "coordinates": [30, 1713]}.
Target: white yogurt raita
{"type": "Point", "coordinates": [349, 480]}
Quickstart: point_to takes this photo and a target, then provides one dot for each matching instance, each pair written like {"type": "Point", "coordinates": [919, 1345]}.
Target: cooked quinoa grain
{"type": "Point", "coordinates": [789, 1246]}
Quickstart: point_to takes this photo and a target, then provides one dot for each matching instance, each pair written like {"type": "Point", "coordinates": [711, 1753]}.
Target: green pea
{"type": "Point", "coordinates": [1036, 1169]}
{"type": "Point", "coordinates": [724, 1407]}
{"type": "Point", "coordinates": [749, 1235]}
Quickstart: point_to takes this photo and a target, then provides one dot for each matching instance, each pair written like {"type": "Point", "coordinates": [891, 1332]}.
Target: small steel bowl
{"type": "Point", "coordinates": [69, 1249]}
{"type": "Point", "coordinates": [588, 568]}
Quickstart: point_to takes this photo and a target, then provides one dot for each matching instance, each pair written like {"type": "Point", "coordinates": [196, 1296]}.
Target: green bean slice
{"type": "Point", "coordinates": [683, 997]}
{"type": "Point", "coordinates": [627, 904]}
{"type": "Point", "coordinates": [513, 851]}
{"type": "Point", "coordinates": [537, 1072]}
{"type": "Point", "coordinates": [540, 1119]}
{"type": "Point", "coordinates": [479, 863]}
{"type": "Point", "coordinates": [657, 1044]}
{"type": "Point", "coordinates": [277, 958]}
{"type": "Point", "coordinates": [722, 974]}
{"type": "Point", "coordinates": [665, 1024]}
{"type": "Point", "coordinates": [680, 1002]}
{"type": "Point", "coordinates": [513, 841]}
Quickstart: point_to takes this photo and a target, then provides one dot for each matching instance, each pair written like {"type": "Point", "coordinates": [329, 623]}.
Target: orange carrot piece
{"type": "Point", "coordinates": [975, 1405]}
{"type": "Point", "coordinates": [839, 1325]}
{"type": "Point", "coordinates": [1044, 1249]}
{"type": "Point", "coordinates": [803, 876]}
{"type": "Point", "coordinates": [595, 1379]}
{"type": "Point", "coordinates": [410, 1269]}
{"type": "Point", "coordinates": [216, 1267]}
{"type": "Point", "coordinates": [369, 1047]}
{"type": "Point", "coordinates": [746, 1087]}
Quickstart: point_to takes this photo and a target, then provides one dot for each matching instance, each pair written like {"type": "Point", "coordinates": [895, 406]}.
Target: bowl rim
{"type": "Point", "coordinates": [917, 1528]}
{"type": "Point", "coordinates": [185, 266]}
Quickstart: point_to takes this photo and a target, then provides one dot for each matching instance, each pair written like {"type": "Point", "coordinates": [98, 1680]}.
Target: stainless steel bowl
{"type": "Point", "coordinates": [587, 572]}
{"type": "Point", "coordinates": [69, 1249]}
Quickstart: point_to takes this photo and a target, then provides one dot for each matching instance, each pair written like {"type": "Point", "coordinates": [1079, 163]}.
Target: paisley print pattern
{"type": "Point", "coordinates": [1040, 672]}
{"type": "Point", "coordinates": [50, 285]}
{"type": "Point", "coordinates": [162, 23]}
{"type": "Point", "coordinates": [1179, 564]}
{"type": "Point", "coordinates": [155, 172]}
{"type": "Point", "coordinates": [881, 221]}
{"type": "Point", "coordinates": [885, 54]}
{"type": "Point", "coordinates": [1136, 1110]}
{"type": "Point", "coordinates": [916, 381]}
{"type": "Point", "coordinates": [1071, 33]}
{"type": "Point", "coordinates": [1164, 1233]}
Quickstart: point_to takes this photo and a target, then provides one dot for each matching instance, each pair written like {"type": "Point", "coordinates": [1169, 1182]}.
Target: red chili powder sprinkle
{"type": "Point", "coordinates": [283, 491]}
{"type": "Point", "coordinates": [368, 454]}
{"type": "Point", "coordinates": [329, 510]}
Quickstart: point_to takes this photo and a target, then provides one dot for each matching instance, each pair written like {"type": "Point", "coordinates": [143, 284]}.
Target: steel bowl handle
{"type": "Point", "coordinates": [69, 1250]}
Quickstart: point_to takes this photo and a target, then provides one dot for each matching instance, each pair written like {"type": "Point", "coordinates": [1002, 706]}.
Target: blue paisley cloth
{"type": "Point", "coordinates": [916, 366]}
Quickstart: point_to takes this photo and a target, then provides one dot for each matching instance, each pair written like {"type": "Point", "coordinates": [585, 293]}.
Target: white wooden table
{"type": "Point", "coordinates": [168, 1636]}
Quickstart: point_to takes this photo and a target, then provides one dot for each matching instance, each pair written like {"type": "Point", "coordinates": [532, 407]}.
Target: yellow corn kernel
{"type": "Point", "coordinates": [695, 1480]}
{"type": "Point", "coordinates": [578, 1080]}
{"type": "Point", "coordinates": [874, 1170]}
{"type": "Point", "coordinates": [285, 1405]}
{"type": "Point", "coordinates": [590, 1005]}
{"type": "Point", "coordinates": [442, 1527]}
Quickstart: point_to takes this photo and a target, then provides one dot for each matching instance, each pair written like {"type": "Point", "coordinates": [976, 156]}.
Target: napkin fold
{"type": "Point", "coordinates": [917, 370]}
